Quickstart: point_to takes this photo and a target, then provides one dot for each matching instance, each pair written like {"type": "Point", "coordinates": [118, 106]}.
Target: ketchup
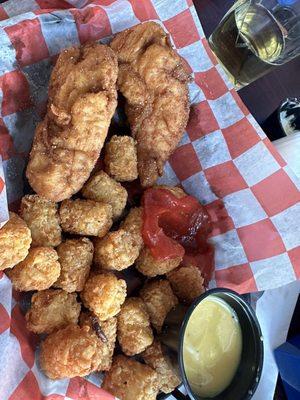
{"type": "Point", "coordinates": [177, 227]}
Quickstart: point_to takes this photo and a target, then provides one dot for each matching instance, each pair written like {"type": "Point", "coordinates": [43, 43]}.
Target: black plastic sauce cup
{"type": "Point", "coordinates": [249, 370]}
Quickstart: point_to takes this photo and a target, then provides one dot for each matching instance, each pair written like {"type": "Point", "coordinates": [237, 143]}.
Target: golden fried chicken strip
{"type": "Point", "coordinates": [52, 310]}
{"type": "Point", "coordinates": [42, 218]}
{"type": "Point", "coordinates": [75, 258]}
{"type": "Point", "coordinates": [134, 330]}
{"type": "Point", "coordinates": [187, 283]}
{"type": "Point", "coordinates": [157, 358]}
{"type": "Point", "coordinates": [38, 271]}
{"type": "Point", "coordinates": [105, 334]}
{"type": "Point", "coordinates": [68, 352]}
{"type": "Point", "coordinates": [130, 380]}
{"type": "Point", "coordinates": [82, 100]}
{"type": "Point", "coordinates": [104, 294]}
{"type": "Point", "coordinates": [15, 239]}
{"type": "Point", "coordinates": [153, 80]}
{"type": "Point", "coordinates": [159, 299]}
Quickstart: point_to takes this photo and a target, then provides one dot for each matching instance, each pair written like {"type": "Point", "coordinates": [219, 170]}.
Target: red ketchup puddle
{"type": "Point", "coordinates": [177, 227]}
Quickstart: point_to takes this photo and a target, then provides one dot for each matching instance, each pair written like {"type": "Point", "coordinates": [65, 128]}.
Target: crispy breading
{"type": "Point", "coordinates": [38, 271]}
{"type": "Point", "coordinates": [75, 258]}
{"type": "Point", "coordinates": [157, 358]}
{"type": "Point", "coordinates": [101, 187]}
{"type": "Point", "coordinates": [150, 266]}
{"type": "Point", "coordinates": [134, 330]}
{"type": "Point", "coordinates": [116, 251]}
{"type": "Point", "coordinates": [68, 352]}
{"type": "Point", "coordinates": [51, 310]}
{"type": "Point", "coordinates": [120, 158]}
{"type": "Point", "coordinates": [82, 101]}
{"type": "Point", "coordinates": [130, 380]}
{"type": "Point", "coordinates": [105, 334]}
{"type": "Point", "coordinates": [104, 294]}
{"type": "Point", "coordinates": [42, 218]}
{"type": "Point", "coordinates": [159, 299]}
{"type": "Point", "coordinates": [15, 239]}
{"type": "Point", "coordinates": [153, 80]}
{"type": "Point", "coordinates": [187, 283]}
{"type": "Point", "coordinates": [133, 224]}
{"type": "Point", "coordinates": [85, 217]}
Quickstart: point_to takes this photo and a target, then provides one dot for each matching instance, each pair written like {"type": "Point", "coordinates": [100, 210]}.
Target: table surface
{"type": "Point", "coordinates": [265, 95]}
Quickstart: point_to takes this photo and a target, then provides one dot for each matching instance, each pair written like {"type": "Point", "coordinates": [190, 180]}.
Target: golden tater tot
{"type": "Point", "coordinates": [156, 358]}
{"type": "Point", "coordinates": [178, 192]}
{"type": "Point", "coordinates": [105, 334]}
{"type": "Point", "coordinates": [75, 257]}
{"type": "Point", "coordinates": [120, 158]}
{"type": "Point", "coordinates": [130, 380]}
{"type": "Point", "coordinates": [134, 330]}
{"type": "Point", "coordinates": [68, 352]}
{"type": "Point", "coordinates": [15, 239]}
{"type": "Point", "coordinates": [85, 217]}
{"type": "Point", "coordinates": [116, 251]}
{"type": "Point", "coordinates": [101, 187]}
{"type": "Point", "coordinates": [159, 300]}
{"type": "Point", "coordinates": [133, 224]}
{"type": "Point", "coordinates": [187, 283]}
{"type": "Point", "coordinates": [150, 266]}
{"type": "Point", "coordinates": [104, 294]}
{"type": "Point", "coordinates": [38, 271]}
{"type": "Point", "coordinates": [52, 310]}
{"type": "Point", "coordinates": [42, 218]}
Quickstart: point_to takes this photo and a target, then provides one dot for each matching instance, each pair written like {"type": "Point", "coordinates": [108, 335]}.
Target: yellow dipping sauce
{"type": "Point", "coordinates": [212, 347]}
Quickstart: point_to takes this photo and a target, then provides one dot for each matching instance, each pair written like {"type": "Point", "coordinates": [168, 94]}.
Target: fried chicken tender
{"type": "Point", "coordinates": [69, 352]}
{"type": "Point", "coordinates": [134, 330]}
{"type": "Point", "coordinates": [121, 159]}
{"type": "Point", "coordinates": [52, 310]}
{"type": "Point", "coordinates": [85, 217]}
{"type": "Point", "coordinates": [38, 271]}
{"type": "Point", "coordinates": [15, 239]}
{"type": "Point", "coordinates": [101, 187]}
{"type": "Point", "coordinates": [75, 258]}
{"type": "Point", "coordinates": [159, 299]}
{"type": "Point", "coordinates": [156, 358]}
{"type": "Point", "coordinates": [187, 283]}
{"type": "Point", "coordinates": [82, 101]}
{"type": "Point", "coordinates": [130, 380]}
{"type": "Point", "coordinates": [150, 266]}
{"type": "Point", "coordinates": [153, 80]}
{"type": "Point", "coordinates": [105, 334]}
{"type": "Point", "coordinates": [104, 294]}
{"type": "Point", "coordinates": [42, 218]}
{"type": "Point", "coordinates": [119, 249]}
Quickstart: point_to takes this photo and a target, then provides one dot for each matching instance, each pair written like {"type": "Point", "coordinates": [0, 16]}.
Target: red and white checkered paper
{"type": "Point", "coordinates": [224, 159]}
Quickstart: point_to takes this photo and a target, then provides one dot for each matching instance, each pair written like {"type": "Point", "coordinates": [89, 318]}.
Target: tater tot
{"type": "Point", "coordinates": [85, 217]}
{"type": "Point", "coordinates": [133, 224]}
{"type": "Point", "coordinates": [101, 187]}
{"type": "Point", "coordinates": [159, 300]}
{"type": "Point", "coordinates": [15, 239]}
{"type": "Point", "coordinates": [75, 258]}
{"type": "Point", "coordinates": [120, 158]}
{"type": "Point", "coordinates": [150, 266]}
{"type": "Point", "coordinates": [52, 310]}
{"type": "Point", "coordinates": [68, 352]}
{"type": "Point", "coordinates": [134, 330]}
{"type": "Point", "coordinates": [105, 334]}
{"type": "Point", "coordinates": [187, 283]}
{"type": "Point", "coordinates": [41, 216]}
{"type": "Point", "coordinates": [116, 251]}
{"type": "Point", "coordinates": [38, 271]}
{"type": "Point", "coordinates": [131, 380]}
{"type": "Point", "coordinates": [156, 358]}
{"type": "Point", "coordinates": [176, 191]}
{"type": "Point", "coordinates": [104, 294]}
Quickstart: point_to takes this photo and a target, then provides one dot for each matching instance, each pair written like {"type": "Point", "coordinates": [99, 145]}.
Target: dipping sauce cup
{"type": "Point", "coordinates": [248, 368]}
